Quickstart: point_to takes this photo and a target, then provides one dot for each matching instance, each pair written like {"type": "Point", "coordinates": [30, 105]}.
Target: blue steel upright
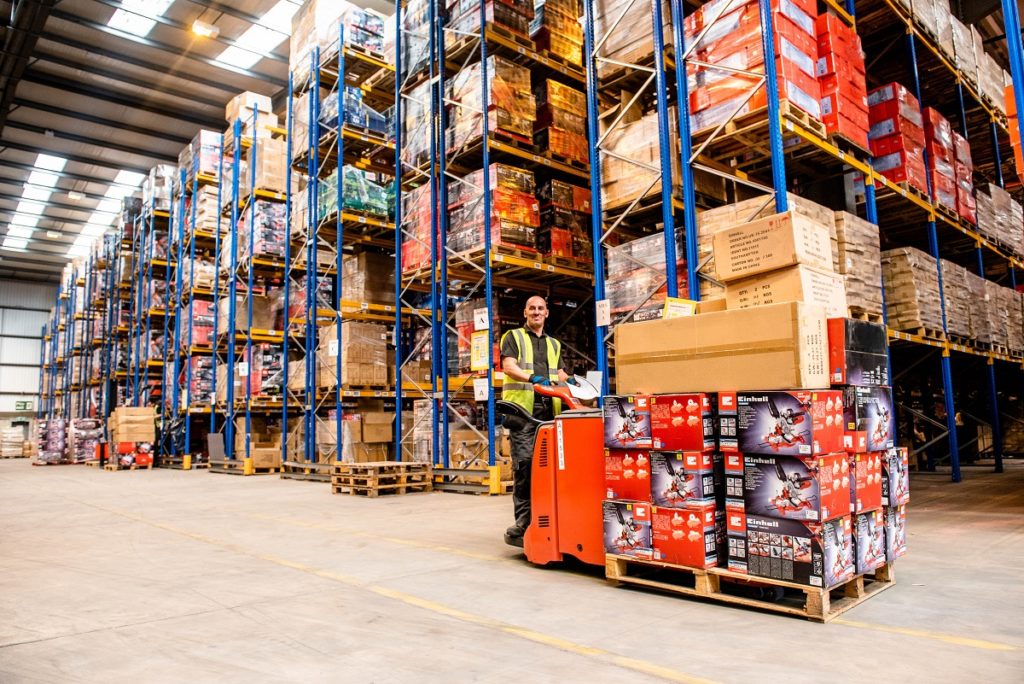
{"type": "Point", "coordinates": [398, 226]}
{"type": "Point", "coordinates": [229, 418]}
{"type": "Point", "coordinates": [686, 144]}
{"type": "Point", "coordinates": [665, 147]}
{"type": "Point", "coordinates": [774, 121]}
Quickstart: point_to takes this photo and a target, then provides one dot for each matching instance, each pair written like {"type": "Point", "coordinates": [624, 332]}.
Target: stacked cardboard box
{"type": "Point", "coordinates": [561, 125]}
{"type": "Point", "coordinates": [897, 135]}
{"type": "Point", "coordinates": [963, 50]}
{"type": "Point", "coordinates": [368, 277]}
{"type": "Point", "coordinates": [513, 15]}
{"type": "Point", "coordinates": [841, 76]}
{"type": "Point", "coordinates": [944, 26]}
{"type": "Point", "coordinates": [911, 289]}
{"type": "Point", "coordinates": [156, 189]}
{"type": "Point", "coordinates": [634, 144]}
{"type": "Point", "coordinates": [556, 28]}
{"type": "Point", "coordinates": [264, 437]}
{"type": "Point", "coordinates": [941, 159]}
{"type": "Point", "coordinates": [362, 353]}
{"type": "Point", "coordinates": [267, 237]}
{"type": "Point", "coordinates": [565, 212]}
{"type": "Point", "coordinates": [318, 23]}
{"type": "Point", "coordinates": [990, 74]}
{"type": "Point", "coordinates": [268, 159]}
{"type": "Point", "coordinates": [132, 424]}
{"type": "Point", "coordinates": [512, 109]}
{"type": "Point", "coordinates": [201, 387]}
{"type": "Point", "coordinates": [416, 240]}
{"type": "Point", "coordinates": [202, 155]}
{"type": "Point", "coordinates": [635, 281]}
{"type": "Point", "coordinates": [1000, 218]}
{"type": "Point", "coordinates": [963, 172]}
{"type": "Point", "coordinates": [515, 211]}
{"type": "Point", "coordinates": [982, 322]}
{"type": "Point", "coordinates": [957, 296]}
{"type": "Point", "coordinates": [858, 258]}
{"type": "Point", "coordinates": [925, 16]}
{"type": "Point", "coordinates": [628, 33]}
{"type": "Point", "coordinates": [267, 312]}
{"type": "Point", "coordinates": [998, 305]}
{"type": "Point", "coordinates": [259, 377]}
{"type": "Point", "coordinates": [734, 42]}
{"type": "Point", "coordinates": [1015, 330]}
{"type": "Point", "coordinates": [200, 273]}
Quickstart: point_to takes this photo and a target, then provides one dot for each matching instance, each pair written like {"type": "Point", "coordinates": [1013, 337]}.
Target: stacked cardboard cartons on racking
{"type": "Point", "coordinates": [911, 290]}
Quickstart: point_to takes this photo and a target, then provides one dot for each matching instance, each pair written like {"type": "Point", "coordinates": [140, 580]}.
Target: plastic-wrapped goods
{"type": "Point", "coordinates": [944, 27]}
{"type": "Point", "coordinates": [925, 16]}
{"type": "Point", "coordinates": [416, 125]}
{"type": "Point", "coordinates": [990, 74]}
{"type": "Point", "coordinates": [963, 172]}
{"type": "Point", "coordinates": [415, 42]}
{"type": "Point", "coordinates": [360, 194]}
{"type": "Point", "coordinates": [416, 239]}
{"type": "Point", "coordinates": [859, 261]}
{"type": "Point", "coordinates": [202, 154]}
{"type": "Point", "coordinates": [841, 76]}
{"type": "Point", "coordinates": [511, 111]}
{"type": "Point", "coordinates": [263, 374]}
{"type": "Point", "coordinates": [623, 181]}
{"type": "Point", "coordinates": [268, 233]}
{"type": "Point", "coordinates": [324, 24]}
{"type": "Point", "coordinates": [631, 39]}
{"type": "Point", "coordinates": [156, 189]}
{"type": "Point", "coordinates": [963, 50]}
{"type": "Point", "coordinates": [53, 440]}
{"type": "Point", "coordinates": [11, 441]}
{"type": "Point", "coordinates": [957, 296]}
{"type": "Point", "coordinates": [299, 291]}
{"type": "Point", "coordinates": [357, 113]}
{"type": "Point", "coordinates": [501, 13]}
{"type": "Point", "coordinates": [514, 209]}
{"type": "Point", "coordinates": [267, 312]}
{"type": "Point", "coordinates": [636, 275]}
{"type": "Point", "coordinates": [368, 277]}
{"type": "Point", "coordinates": [896, 136]}
{"type": "Point", "coordinates": [911, 289]}
{"type": "Point", "coordinates": [86, 434]}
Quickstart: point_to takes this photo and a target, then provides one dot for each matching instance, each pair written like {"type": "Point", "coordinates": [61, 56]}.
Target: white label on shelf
{"type": "Point", "coordinates": [332, 348]}
{"type": "Point", "coordinates": [604, 312]}
{"type": "Point", "coordinates": [481, 389]}
{"type": "Point", "coordinates": [243, 369]}
{"type": "Point", "coordinates": [561, 445]}
{"type": "Point", "coordinates": [481, 319]}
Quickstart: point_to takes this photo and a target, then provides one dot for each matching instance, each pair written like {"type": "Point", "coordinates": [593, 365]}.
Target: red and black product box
{"type": "Point", "coordinates": [202, 323]}
{"type": "Point", "coordinates": [557, 29]}
{"type": "Point", "coordinates": [813, 488]}
{"type": "Point", "coordinates": [963, 171]}
{"type": "Point", "coordinates": [513, 15]}
{"type": "Point", "coordinates": [560, 127]}
{"type": "Point", "coordinates": [683, 422]}
{"type": "Point", "coordinates": [809, 553]}
{"type": "Point", "coordinates": [627, 474]}
{"type": "Point", "coordinates": [939, 139]}
{"type": "Point", "coordinates": [511, 106]}
{"type": "Point", "coordinates": [679, 477]}
{"type": "Point", "coordinates": [780, 422]}
{"type": "Point", "coordinates": [895, 477]}
{"type": "Point", "coordinates": [627, 528]}
{"type": "Point", "coordinates": [565, 221]}
{"type": "Point", "coordinates": [895, 532]}
{"type": "Point", "coordinates": [841, 77]}
{"type": "Point", "coordinates": [857, 353]}
{"type": "Point", "coordinates": [869, 541]}
{"type": "Point", "coordinates": [868, 419]}
{"type": "Point", "coordinates": [865, 481]}
{"type": "Point", "coordinates": [692, 535]}
{"type": "Point", "coordinates": [897, 135]}
{"type": "Point", "coordinates": [627, 422]}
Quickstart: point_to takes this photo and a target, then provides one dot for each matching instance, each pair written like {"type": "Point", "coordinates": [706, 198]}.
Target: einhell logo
{"type": "Point", "coordinates": [640, 510]}
{"type": "Point", "coordinates": [641, 402]}
{"type": "Point", "coordinates": [728, 400]}
{"type": "Point", "coordinates": [734, 460]}
{"type": "Point", "coordinates": [735, 520]}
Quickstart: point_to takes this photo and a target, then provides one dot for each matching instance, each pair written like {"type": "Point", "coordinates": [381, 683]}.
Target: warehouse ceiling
{"type": "Point", "coordinates": [97, 92]}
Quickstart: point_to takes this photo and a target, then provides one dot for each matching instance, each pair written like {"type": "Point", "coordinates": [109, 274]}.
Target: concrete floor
{"type": "Point", "coordinates": [155, 576]}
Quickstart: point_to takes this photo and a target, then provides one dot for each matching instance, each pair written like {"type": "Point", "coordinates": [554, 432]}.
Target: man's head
{"type": "Point", "coordinates": [536, 313]}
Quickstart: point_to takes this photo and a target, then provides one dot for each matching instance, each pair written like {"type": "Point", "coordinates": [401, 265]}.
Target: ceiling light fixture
{"type": "Point", "coordinates": [201, 28]}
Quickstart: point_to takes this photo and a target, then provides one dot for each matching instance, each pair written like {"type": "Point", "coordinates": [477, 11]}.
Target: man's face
{"type": "Point", "coordinates": [536, 312]}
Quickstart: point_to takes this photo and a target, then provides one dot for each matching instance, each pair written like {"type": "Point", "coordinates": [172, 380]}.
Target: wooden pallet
{"type": "Point", "coordinates": [178, 463]}
{"type": "Point", "coordinates": [298, 470]}
{"type": "Point", "coordinates": [1000, 349]}
{"type": "Point", "coordinates": [115, 466]}
{"type": "Point", "coordinates": [470, 481]}
{"type": "Point", "coordinates": [849, 146]}
{"type": "Point", "coordinates": [568, 161]}
{"type": "Point", "coordinates": [18, 456]}
{"type": "Point", "coordinates": [753, 127]}
{"type": "Point", "coordinates": [237, 467]}
{"type": "Point", "coordinates": [963, 341]}
{"type": "Point", "coordinates": [862, 315]}
{"type": "Point", "coordinates": [927, 333]}
{"type": "Point", "coordinates": [723, 586]}
{"type": "Point", "coordinates": [380, 477]}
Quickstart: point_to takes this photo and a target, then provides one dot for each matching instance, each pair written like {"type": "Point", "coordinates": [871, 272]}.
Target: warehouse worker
{"type": "Point", "coordinates": [528, 357]}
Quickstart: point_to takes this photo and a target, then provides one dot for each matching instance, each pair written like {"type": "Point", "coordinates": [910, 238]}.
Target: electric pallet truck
{"type": "Point", "coordinates": [567, 477]}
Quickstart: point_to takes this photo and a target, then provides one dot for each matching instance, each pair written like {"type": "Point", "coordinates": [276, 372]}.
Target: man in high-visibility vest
{"type": "Point", "coordinates": [528, 357]}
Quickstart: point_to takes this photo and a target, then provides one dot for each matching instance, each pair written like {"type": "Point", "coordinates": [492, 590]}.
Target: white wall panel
{"type": "Point", "coordinates": [13, 379]}
{"type": "Point", "coordinates": [19, 351]}
{"type": "Point", "coordinates": [27, 295]}
{"type": "Point", "coordinates": [18, 322]}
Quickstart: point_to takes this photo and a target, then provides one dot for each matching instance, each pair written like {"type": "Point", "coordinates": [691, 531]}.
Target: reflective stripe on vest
{"type": "Point", "coordinates": [521, 393]}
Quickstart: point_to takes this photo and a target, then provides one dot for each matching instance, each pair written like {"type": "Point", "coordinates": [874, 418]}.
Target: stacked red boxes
{"type": "Point", "coordinates": [202, 323]}
{"type": "Point", "coordinates": [939, 143]}
{"type": "Point", "coordinates": [514, 209]}
{"type": "Point", "coordinates": [734, 41]}
{"type": "Point", "coordinates": [514, 15]}
{"type": "Point", "coordinates": [896, 136]}
{"type": "Point", "coordinates": [963, 173]}
{"type": "Point", "coordinates": [565, 221]}
{"type": "Point", "coordinates": [841, 76]}
{"type": "Point", "coordinates": [556, 28]}
{"type": "Point", "coordinates": [561, 125]}
{"type": "Point", "coordinates": [416, 229]}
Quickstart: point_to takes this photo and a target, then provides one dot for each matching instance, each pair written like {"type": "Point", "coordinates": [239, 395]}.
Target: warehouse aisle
{"type": "Point", "coordinates": [174, 576]}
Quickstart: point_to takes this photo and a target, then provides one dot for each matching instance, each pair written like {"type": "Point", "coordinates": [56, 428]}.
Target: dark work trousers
{"type": "Point", "coordinates": [522, 437]}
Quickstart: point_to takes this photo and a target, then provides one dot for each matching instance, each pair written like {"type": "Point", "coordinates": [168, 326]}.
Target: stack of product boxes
{"type": "Point", "coordinates": [897, 136]}
{"type": "Point", "coordinates": [318, 24]}
{"type": "Point", "coordinates": [266, 227]}
{"type": "Point", "coordinates": [734, 42]}
{"type": "Point", "coordinates": [556, 28]}
{"type": "Point", "coordinates": [911, 282]}
{"type": "Point", "coordinates": [941, 159]}
{"type": "Point", "coordinates": [416, 249]}
{"type": "Point", "coordinates": [963, 173]}
{"type": "Point", "coordinates": [515, 211]}
{"type": "Point", "coordinates": [561, 125]}
{"type": "Point", "coordinates": [841, 75]}
{"type": "Point", "coordinates": [511, 106]}
{"type": "Point", "coordinates": [564, 221]}
{"type": "Point", "coordinates": [1000, 218]}
{"type": "Point", "coordinates": [636, 276]}
{"type": "Point", "coordinates": [513, 15]}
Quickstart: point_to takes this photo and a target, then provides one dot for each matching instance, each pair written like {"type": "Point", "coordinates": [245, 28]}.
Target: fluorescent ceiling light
{"type": "Point", "coordinates": [130, 178]}
{"type": "Point", "coordinates": [19, 231]}
{"type": "Point", "coordinates": [237, 57]}
{"type": "Point", "coordinates": [201, 28]}
{"type": "Point", "coordinates": [78, 251]}
{"type": "Point", "coordinates": [265, 35]}
{"type": "Point", "coordinates": [138, 17]}
{"type": "Point", "coordinates": [101, 218]}
{"type": "Point", "coordinates": [43, 178]}
{"type": "Point", "coordinates": [93, 229]}
{"type": "Point", "coordinates": [54, 234]}
{"type": "Point", "coordinates": [29, 207]}
{"type": "Point", "coordinates": [24, 220]}
{"type": "Point", "coordinates": [50, 162]}
{"type": "Point", "coordinates": [118, 191]}
{"type": "Point", "coordinates": [75, 196]}
{"type": "Point", "coordinates": [14, 243]}
{"type": "Point", "coordinates": [109, 206]}
{"type": "Point", "coordinates": [34, 192]}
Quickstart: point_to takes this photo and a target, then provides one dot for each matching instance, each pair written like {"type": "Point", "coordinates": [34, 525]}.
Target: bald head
{"type": "Point", "coordinates": [536, 312]}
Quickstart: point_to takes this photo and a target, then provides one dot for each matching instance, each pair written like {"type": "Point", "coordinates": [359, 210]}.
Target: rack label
{"type": "Point", "coordinates": [479, 350]}
{"type": "Point", "coordinates": [243, 369]}
{"type": "Point", "coordinates": [604, 312]}
{"type": "Point", "coordinates": [332, 348]}
{"type": "Point", "coordinates": [481, 390]}
{"type": "Point", "coordinates": [481, 319]}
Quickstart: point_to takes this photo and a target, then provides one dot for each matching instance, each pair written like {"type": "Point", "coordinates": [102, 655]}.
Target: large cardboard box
{"type": "Point", "coordinates": [793, 284]}
{"type": "Point", "coordinates": [774, 242]}
{"type": "Point", "coordinates": [782, 346]}
{"type": "Point", "coordinates": [378, 427]}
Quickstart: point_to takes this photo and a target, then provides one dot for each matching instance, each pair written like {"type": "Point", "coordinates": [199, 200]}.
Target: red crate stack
{"type": "Point", "coordinates": [556, 28]}
{"type": "Point", "coordinates": [734, 42]}
{"type": "Point", "coordinates": [565, 221]}
{"type": "Point", "coordinates": [897, 135]}
{"type": "Point", "coordinates": [841, 76]}
{"type": "Point", "coordinates": [561, 125]}
{"type": "Point", "coordinates": [963, 172]}
{"type": "Point", "coordinates": [416, 244]}
{"type": "Point", "coordinates": [939, 144]}
{"type": "Point", "coordinates": [515, 211]}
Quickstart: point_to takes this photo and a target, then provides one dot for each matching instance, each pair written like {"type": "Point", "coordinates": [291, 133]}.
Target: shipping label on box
{"type": "Point", "coordinates": [774, 242]}
{"type": "Point", "coordinates": [777, 422]}
{"type": "Point", "coordinates": [627, 528]}
{"type": "Point", "coordinates": [627, 474]}
{"type": "Point", "coordinates": [895, 477]}
{"type": "Point", "coordinates": [869, 419]}
{"type": "Point", "coordinates": [692, 536]}
{"type": "Point", "coordinates": [895, 532]}
{"type": "Point", "coordinates": [683, 422]}
{"type": "Point", "coordinates": [796, 488]}
{"type": "Point", "coordinates": [866, 490]}
{"type": "Point", "coordinates": [627, 422]}
{"type": "Point", "coordinates": [814, 554]}
{"type": "Point", "coordinates": [793, 284]}
{"type": "Point", "coordinates": [869, 541]}
{"type": "Point", "coordinates": [678, 477]}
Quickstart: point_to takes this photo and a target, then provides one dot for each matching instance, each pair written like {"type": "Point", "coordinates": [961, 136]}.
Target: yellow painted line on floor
{"type": "Point", "coordinates": [927, 634]}
{"type": "Point", "coordinates": [607, 657]}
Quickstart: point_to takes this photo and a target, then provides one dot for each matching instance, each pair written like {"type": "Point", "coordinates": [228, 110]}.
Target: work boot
{"type": "Point", "coordinates": [514, 536]}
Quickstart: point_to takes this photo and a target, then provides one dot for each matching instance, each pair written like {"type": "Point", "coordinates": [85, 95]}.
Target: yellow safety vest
{"type": "Point", "coordinates": [522, 392]}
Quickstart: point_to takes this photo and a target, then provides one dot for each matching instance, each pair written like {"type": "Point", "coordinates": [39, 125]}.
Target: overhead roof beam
{"type": "Point", "coordinates": [76, 158]}
{"type": "Point", "coordinates": [122, 99]}
{"type": "Point", "coordinates": [175, 50]}
{"type": "Point", "coordinates": [23, 25]}
{"type": "Point", "coordinates": [169, 136]}
{"type": "Point", "coordinates": [86, 140]}
{"type": "Point", "coordinates": [187, 28]}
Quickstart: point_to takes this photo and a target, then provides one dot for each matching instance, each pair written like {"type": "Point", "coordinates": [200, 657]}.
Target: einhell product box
{"type": "Point", "coordinates": [627, 528]}
{"type": "Point", "coordinates": [679, 477]}
{"type": "Point", "coordinates": [895, 477]}
{"type": "Point", "coordinates": [857, 353]}
{"type": "Point", "coordinates": [627, 474]}
{"type": "Point", "coordinates": [895, 532]}
{"type": "Point", "coordinates": [786, 423]}
{"type": "Point", "coordinates": [773, 242]}
{"type": "Point", "coordinates": [814, 554]}
{"type": "Point", "coordinates": [869, 421]}
{"type": "Point", "coordinates": [812, 488]}
{"type": "Point", "coordinates": [683, 422]}
{"type": "Point", "coordinates": [869, 541]}
{"type": "Point", "coordinates": [691, 536]}
{"type": "Point", "coordinates": [866, 481]}
{"type": "Point", "coordinates": [627, 422]}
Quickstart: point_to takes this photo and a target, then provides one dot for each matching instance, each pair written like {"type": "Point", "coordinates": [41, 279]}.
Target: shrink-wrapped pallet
{"type": "Point", "coordinates": [957, 298]}
{"type": "Point", "coordinates": [911, 290]}
{"type": "Point", "coordinates": [999, 310]}
{"type": "Point", "coordinates": [858, 260]}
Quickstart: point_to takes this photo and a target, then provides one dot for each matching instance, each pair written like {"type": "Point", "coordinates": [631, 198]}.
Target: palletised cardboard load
{"type": "Point", "coordinates": [858, 259]}
{"type": "Point", "coordinates": [792, 284]}
{"type": "Point", "coordinates": [911, 289]}
{"type": "Point", "coordinates": [776, 241]}
{"type": "Point", "coordinates": [958, 299]}
{"type": "Point", "coordinates": [636, 142]}
{"type": "Point", "coordinates": [781, 346]}
{"type": "Point", "coordinates": [132, 424]}
{"type": "Point", "coordinates": [981, 318]}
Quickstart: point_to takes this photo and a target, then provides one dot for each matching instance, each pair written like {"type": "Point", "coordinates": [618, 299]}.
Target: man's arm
{"type": "Point", "coordinates": [513, 371]}
{"type": "Point", "coordinates": [563, 375]}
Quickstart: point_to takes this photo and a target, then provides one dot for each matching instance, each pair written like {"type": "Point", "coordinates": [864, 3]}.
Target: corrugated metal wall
{"type": "Point", "coordinates": [24, 308]}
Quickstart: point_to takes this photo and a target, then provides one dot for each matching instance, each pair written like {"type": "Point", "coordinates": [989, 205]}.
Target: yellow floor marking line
{"type": "Point", "coordinates": [926, 634]}
{"type": "Point", "coordinates": [607, 657]}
